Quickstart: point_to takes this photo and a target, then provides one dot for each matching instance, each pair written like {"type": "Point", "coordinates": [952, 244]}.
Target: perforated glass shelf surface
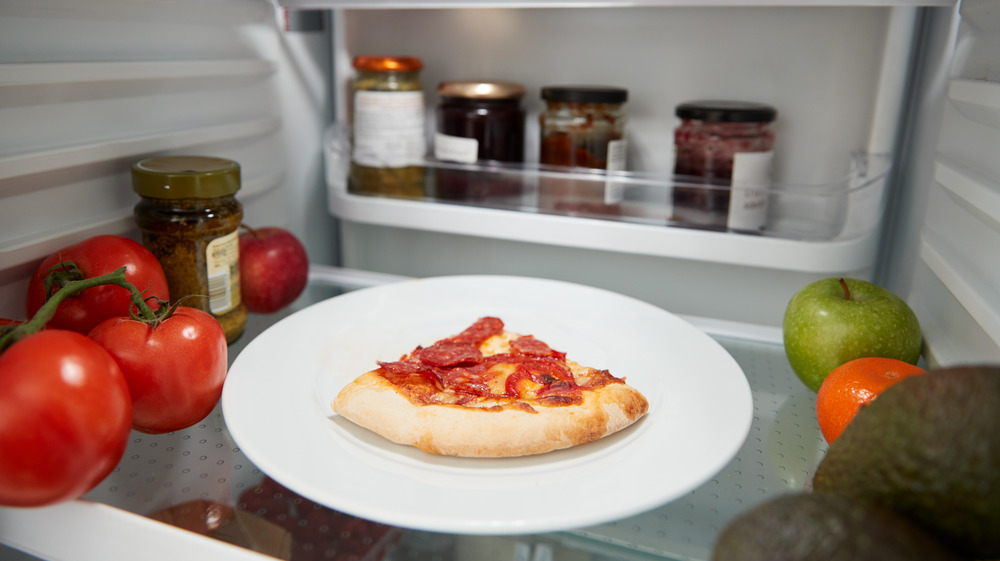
{"type": "Point", "coordinates": [202, 466]}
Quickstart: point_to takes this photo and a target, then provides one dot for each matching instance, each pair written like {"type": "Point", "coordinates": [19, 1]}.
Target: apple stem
{"type": "Point", "coordinates": [249, 229]}
{"type": "Point", "coordinates": [847, 291]}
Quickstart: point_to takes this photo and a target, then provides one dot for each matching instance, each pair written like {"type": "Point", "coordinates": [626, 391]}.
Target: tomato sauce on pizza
{"type": "Point", "coordinates": [455, 371]}
{"type": "Point", "coordinates": [475, 393]}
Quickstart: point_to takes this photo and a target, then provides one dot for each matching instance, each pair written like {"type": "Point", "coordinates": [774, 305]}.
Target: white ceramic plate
{"type": "Point", "coordinates": [276, 404]}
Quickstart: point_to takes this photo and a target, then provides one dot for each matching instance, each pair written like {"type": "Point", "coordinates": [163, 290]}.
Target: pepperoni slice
{"type": "Point", "coordinates": [449, 353]}
{"type": "Point", "coordinates": [466, 381]}
{"type": "Point", "coordinates": [423, 381]}
{"type": "Point", "coordinates": [560, 387]}
{"type": "Point", "coordinates": [403, 367]}
{"type": "Point", "coordinates": [514, 386]}
{"type": "Point", "coordinates": [548, 370]}
{"type": "Point", "coordinates": [530, 346]}
{"type": "Point", "coordinates": [483, 329]}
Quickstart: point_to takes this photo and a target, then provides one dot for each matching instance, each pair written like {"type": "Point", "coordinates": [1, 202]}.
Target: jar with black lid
{"type": "Point", "coordinates": [724, 151]}
{"type": "Point", "coordinates": [388, 131]}
{"type": "Point", "coordinates": [478, 121]}
{"type": "Point", "coordinates": [189, 218]}
{"type": "Point", "coordinates": [583, 126]}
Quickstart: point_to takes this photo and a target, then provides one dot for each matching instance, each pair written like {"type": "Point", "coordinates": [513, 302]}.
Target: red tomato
{"type": "Point", "coordinates": [65, 415]}
{"type": "Point", "coordinates": [174, 370]}
{"type": "Point", "coordinates": [96, 256]}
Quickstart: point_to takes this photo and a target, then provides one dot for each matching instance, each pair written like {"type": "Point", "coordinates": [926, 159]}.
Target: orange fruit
{"type": "Point", "coordinates": [854, 384]}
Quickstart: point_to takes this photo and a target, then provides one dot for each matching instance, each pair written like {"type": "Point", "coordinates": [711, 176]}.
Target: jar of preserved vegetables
{"type": "Point", "coordinates": [478, 122]}
{"type": "Point", "coordinates": [723, 163]}
{"type": "Point", "coordinates": [583, 126]}
{"type": "Point", "coordinates": [190, 219]}
{"type": "Point", "coordinates": [389, 136]}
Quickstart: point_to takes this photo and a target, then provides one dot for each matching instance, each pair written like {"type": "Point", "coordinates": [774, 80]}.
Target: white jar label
{"type": "Point", "coordinates": [222, 263]}
{"type": "Point", "coordinates": [389, 129]}
{"type": "Point", "coordinates": [614, 191]}
{"type": "Point", "coordinates": [750, 184]}
{"type": "Point", "coordinates": [456, 148]}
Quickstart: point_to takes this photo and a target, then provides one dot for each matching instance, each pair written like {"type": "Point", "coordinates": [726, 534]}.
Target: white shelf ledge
{"type": "Point", "coordinates": [16, 165]}
{"type": "Point", "coordinates": [969, 189]}
{"type": "Point", "coordinates": [75, 73]}
{"type": "Point", "coordinates": [437, 4]}
{"type": "Point", "coordinates": [658, 241]}
{"type": "Point", "coordinates": [977, 300]}
{"type": "Point", "coordinates": [977, 100]}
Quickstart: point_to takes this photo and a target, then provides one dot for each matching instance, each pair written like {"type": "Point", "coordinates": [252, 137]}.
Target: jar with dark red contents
{"type": "Point", "coordinates": [723, 160]}
{"type": "Point", "coordinates": [583, 126]}
{"type": "Point", "coordinates": [478, 122]}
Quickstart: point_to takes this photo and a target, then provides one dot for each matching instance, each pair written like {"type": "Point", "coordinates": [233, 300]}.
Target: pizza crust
{"type": "Point", "coordinates": [373, 402]}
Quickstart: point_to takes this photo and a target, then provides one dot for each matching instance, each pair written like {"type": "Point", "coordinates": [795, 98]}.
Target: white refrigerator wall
{"type": "Point", "coordinates": [783, 57]}
{"type": "Point", "coordinates": [89, 88]}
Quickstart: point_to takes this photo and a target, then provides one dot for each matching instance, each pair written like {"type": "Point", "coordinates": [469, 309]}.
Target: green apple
{"type": "Point", "coordinates": [832, 321]}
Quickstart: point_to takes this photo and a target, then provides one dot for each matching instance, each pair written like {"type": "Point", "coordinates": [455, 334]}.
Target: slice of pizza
{"type": "Point", "coordinates": [487, 392]}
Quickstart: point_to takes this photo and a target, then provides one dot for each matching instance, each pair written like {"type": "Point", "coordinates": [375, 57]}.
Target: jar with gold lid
{"type": "Point", "coordinates": [190, 219]}
{"type": "Point", "coordinates": [388, 129]}
{"type": "Point", "coordinates": [478, 121]}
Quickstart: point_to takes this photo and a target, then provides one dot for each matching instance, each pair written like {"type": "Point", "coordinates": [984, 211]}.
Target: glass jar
{"type": "Point", "coordinates": [723, 154]}
{"type": "Point", "coordinates": [190, 219]}
{"type": "Point", "coordinates": [389, 136]}
{"type": "Point", "coordinates": [478, 122]}
{"type": "Point", "coordinates": [583, 126]}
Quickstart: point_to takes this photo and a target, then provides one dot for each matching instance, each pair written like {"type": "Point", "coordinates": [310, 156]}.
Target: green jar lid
{"type": "Point", "coordinates": [185, 177]}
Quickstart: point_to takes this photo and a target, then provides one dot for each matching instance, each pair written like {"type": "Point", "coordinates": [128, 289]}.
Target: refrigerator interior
{"type": "Point", "coordinates": [839, 111]}
{"type": "Point", "coordinates": [88, 88]}
{"type": "Point", "coordinates": [87, 92]}
{"type": "Point", "coordinates": [907, 84]}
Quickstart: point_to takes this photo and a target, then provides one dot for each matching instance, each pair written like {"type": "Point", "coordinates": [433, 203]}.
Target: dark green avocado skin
{"type": "Point", "coordinates": [824, 527]}
{"type": "Point", "coordinates": [928, 449]}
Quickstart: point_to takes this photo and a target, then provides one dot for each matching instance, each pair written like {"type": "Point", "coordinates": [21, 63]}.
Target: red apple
{"type": "Point", "coordinates": [273, 268]}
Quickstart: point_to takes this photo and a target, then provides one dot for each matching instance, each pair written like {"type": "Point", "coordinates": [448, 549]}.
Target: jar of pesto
{"type": "Point", "coordinates": [388, 129]}
{"type": "Point", "coordinates": [190, 219]}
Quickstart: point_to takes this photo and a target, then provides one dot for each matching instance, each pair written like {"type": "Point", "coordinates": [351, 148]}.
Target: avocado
{"type": "Point", "coordinates": [824, 527]}
{"type": "Point", "coordinates": [928, 449]}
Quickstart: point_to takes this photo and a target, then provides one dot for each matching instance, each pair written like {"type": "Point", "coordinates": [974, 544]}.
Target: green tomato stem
{"type": "Point", "coordinates": [48, 309]}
